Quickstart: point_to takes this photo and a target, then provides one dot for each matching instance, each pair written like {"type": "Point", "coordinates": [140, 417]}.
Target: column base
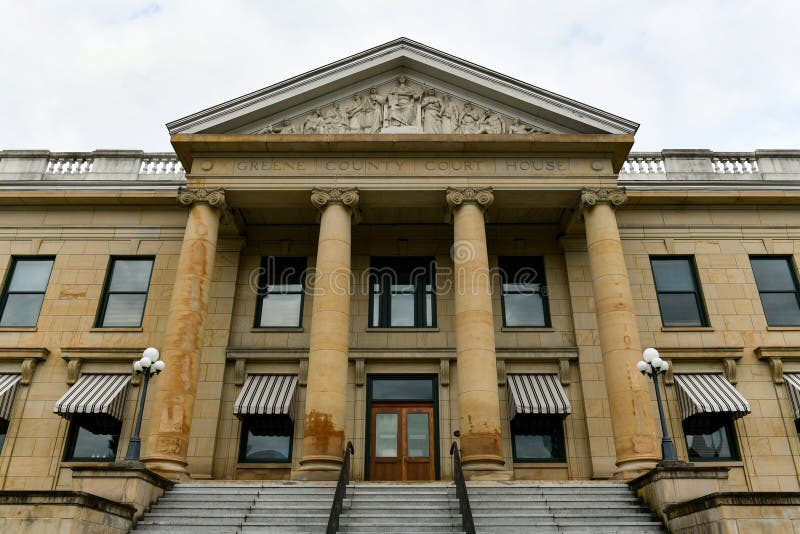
{"type": "Point", "coordinates": [486, 467]}
{"type": "Point", "coordinates": [630, 469]}
{"type": "Point", "coordinates": [168, 468]}
{"type": "Point", "coordinates": [318, 468]}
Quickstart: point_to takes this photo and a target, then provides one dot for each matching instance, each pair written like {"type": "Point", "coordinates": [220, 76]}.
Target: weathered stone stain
{"type": "Point", "coordinates": [319, 428]}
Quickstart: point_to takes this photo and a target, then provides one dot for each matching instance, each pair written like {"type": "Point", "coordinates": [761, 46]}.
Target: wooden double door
{"type": "Point", "coordinates": [401, 442]}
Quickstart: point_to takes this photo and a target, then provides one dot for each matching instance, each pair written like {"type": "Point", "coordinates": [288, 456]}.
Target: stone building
{"type": "Point", "coordinates": [402, 249]}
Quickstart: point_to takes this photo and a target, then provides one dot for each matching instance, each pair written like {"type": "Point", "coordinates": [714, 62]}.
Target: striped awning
{"type": "Point", "coordinates": [8, 390]}
{"type": "Point", "coordinates": [708, 393]}
{"type": "Point", "coordinates": [537, 394]}
{"type": "Point", "coordinates": [100, 394]}
{"type": "Point", "coordinates": [793, 389]}
{"type": "Point", "coordinates": [266, 395]}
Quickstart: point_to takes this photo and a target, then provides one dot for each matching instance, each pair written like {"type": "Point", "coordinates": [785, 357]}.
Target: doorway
{"type": "Point", "coordinates": [402, 428]}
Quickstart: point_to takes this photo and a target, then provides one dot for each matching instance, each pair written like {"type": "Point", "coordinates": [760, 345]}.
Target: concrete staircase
{"type": "Point", "coordinates": [515, 507]}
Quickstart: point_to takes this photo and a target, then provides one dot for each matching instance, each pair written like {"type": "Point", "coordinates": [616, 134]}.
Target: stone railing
{"type": "Point", "coordinates": [705, 165]}
{"type": "Point", "coordinates": [100, 165]}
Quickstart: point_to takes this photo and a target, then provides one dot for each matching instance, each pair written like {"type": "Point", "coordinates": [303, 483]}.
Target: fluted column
{"type": "Point", "coordinates": [479, 404]}
{"type": "Point", "coordinates": [175, 389]}
{"type": "Point", "coordinates": [326, 392]}
{"type": "Point", "coordinates": [632, 420]}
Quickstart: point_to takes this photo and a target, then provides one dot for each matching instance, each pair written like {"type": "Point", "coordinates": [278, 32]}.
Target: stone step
{"type": "Point", "coordinates": [431, 527]}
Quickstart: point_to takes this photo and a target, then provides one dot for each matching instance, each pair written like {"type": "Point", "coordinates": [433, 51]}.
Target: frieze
{"type": "Point", "coordinates": [400, 106]}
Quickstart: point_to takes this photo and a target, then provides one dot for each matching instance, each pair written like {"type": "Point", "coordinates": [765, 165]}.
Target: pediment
{"type": "Point", "coordinates": [402, 87]}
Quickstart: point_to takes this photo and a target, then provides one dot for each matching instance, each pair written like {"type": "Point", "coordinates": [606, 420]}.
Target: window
{"type": "Point", "coordinates": [266, 438]}
{"type": "Point", "coordinates": [401, 292]}
{"type": "Point", "coordinates": [524, 292]}
{"type": "Point", "coordinates": [710, 437]}
{"type": "Point", "coordinates": [777, 285]}
{"type": "Point", "coordinates": [280, 297]}
{"type": "Point", "coordinates": [24, 291]}
{"type": "Point", "coordinates": [538, 438]}
{"type": "Point", "coordinates": [92, 438]}
{"type": "Point", "coordinates": [125, 292]}
{"type": "Point", "coordinates": [678, 291]}
{"type": "Point", "coordinates": [3, 432]}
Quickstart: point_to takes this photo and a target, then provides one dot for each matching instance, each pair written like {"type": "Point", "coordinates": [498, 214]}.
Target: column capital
{"type": "Point", "coordinates": [321, 197]}
{"type": "Point", "coordinates": [456, 197]}
{"type": "Point", "coordinates": [592, 197]}
{"type": "Point", "coordinates": [213, 197]}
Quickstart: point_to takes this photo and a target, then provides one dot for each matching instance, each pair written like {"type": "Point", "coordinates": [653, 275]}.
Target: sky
{"type": "Point", "coordinates": [79, 75]}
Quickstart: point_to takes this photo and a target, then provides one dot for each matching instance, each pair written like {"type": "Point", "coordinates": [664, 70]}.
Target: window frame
{"type": "Point", "coordinates": [560, 434]}
{"type": "Point", "coordinates": [730, 431]}
{"type": "Point", "coordinates": [378, 276]}
{"type": "Point", "coordinates": [543, 293]}
{"type": "Point", "coordinates": [72, 439]}
{"type": "Point", "coordinates": [243, 433]}
{"type": "Point", "coordinates": [699, 298]}
{"type": "Point", "coordinates": [102, 308]}
{"type": "Point", "coordinates": [12, 269]}
{"type": "Point", "coordinates": [789, 259]}
{"type": "Point", "coordinates": [263, 285]}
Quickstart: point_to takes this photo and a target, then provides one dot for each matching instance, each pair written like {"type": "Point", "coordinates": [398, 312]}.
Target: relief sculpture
{"type": "Point", "coordinates": [402, 105]}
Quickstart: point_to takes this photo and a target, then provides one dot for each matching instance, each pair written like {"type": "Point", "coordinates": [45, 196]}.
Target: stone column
{"type": "Point", "coordinates": [478, 400]}
{"type": "Point", "coordinates": [175, 389]}
{"type": "Point", "coordinates": [326, 392]}
{"type": "Point", "coordinates": [635, 438]}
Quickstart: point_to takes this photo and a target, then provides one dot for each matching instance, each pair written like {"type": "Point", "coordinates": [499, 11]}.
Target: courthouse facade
{"type": "Point", "coordinates": [400, 249]}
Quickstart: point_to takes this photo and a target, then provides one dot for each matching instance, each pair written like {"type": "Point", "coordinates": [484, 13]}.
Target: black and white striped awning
{"type": "Point", "coordinates": [8, 390]}
{"type": "Point", "coordinates": [708, 393]}
{"type": "Point", "coordinates": [99, 394]}
{"type": "Point", "coordinates": [793, 389]}
{"type": "Point", "coordinates": [537, 394]}
{"type": "Point", "coordinates": [267, 395]}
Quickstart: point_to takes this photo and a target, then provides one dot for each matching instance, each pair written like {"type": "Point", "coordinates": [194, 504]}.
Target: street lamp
{"type": "Point", "coordinates": [148, 365]}
{"type": "Point", "coordinates": [652, 365]}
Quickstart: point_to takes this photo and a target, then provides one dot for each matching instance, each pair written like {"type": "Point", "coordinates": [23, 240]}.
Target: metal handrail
{"type": "Point", "coordinates": [341, 489]}
{"type": "Point", "coordinates": [461, 491]}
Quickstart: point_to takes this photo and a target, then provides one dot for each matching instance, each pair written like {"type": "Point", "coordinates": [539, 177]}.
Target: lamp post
{"type": "Point", "coordinates": [652, 365]}
{"type": "Point", "coordinates": [148, 365]}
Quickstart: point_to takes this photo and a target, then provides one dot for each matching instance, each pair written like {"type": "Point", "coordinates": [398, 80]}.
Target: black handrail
{"type": "Point", "coordinates": [461, 491]}
{"type": "Point", "coordinates": [341, 489]}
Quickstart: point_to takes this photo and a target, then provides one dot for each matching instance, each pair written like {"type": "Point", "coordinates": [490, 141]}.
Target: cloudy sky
{"type": "Point", "coordinates": [87, 74]}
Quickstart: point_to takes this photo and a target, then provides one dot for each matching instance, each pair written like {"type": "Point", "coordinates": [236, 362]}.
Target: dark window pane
{"type": "Point", "coordinates": [284, 270]}
{"type": "Point", "coordinates": [124, 310]}
{"type": "Point", "coordinates": [709, 437]}
{"type": "Point", "coordinates": [267, 439]}
{"type": "Point", "coordinates": [679, 309]}
{"type": "Point", "coordinates": [22, 309]}
{"type": "Point", "coordinates": [781, 309]}
{"type": "Point", "coordinates": [523, 310]}
{"type": "Point", "coordinates": [538, 438]}
{"type": "Point", "coordinates": [402, 389]}
{"type": "Point", "coordinates": [281, 309]}
{"type": "Point", "coordinates": [94, 438]}
{"type": "Point", "coordinates": [772, 274]}
{"type": "Point", "coordinates": [3, 432]}
{"type": "Point", "coordinates": [523, 291]}
{"type": "Point", "coordinates": [131, 275]}
{"type": "Point", "coordinates": [30, 275]}
{"type": "Point", "coordinates": [673, 274]}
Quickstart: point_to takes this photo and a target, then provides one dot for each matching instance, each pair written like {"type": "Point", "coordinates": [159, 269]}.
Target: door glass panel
{"type": "Point", "coordinates": [417, 436]}
{"type": "Point", "coordinates": [386, 435]}
{"type": "Point", "coordinates": [406, 389]}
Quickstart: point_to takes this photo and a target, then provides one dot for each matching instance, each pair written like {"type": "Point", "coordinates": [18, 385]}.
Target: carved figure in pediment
{"type": "Point", "coordinates": [334, 122]}
{"type": "Point", "coordinates": [355, 114]}
{"type": "Point", "coordinates": [314, 124]}
{"type": "Point", "coordinates": [491, 123]}
{"type": "Point", "coordinates": [470, 120]}
{"type": "Point", "coordinates": [517, 127]}
{"type": "Point", "coordinates": [450, 115]}
{"type": "Point", "coordinates": [402, 104]}
{"type": "Point", "coordinates": [431, 112]}
{"type": "Point", "coordinates": [285, 127]}
{"type": "Point", "coordinates": [373, 112]}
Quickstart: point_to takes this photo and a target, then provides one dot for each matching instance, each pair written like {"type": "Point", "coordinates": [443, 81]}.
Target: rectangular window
{"type": "Point", "coordinates": [3, 432]}
{"type": "Point", "coordinates": [280, 295]}
{"type": "Point", "coordinates": [710, 438]}
{"type": "Point", "coordinates": [92, 438]}
{"type": "Point", "coordinates": [266, 438]}
{"type": "Point", "coordinates": [538, 438]}
{"type": "Point", "coordinates": [401, 292]}
{"type": "Point", "coordinates": [24, 290]}
{"type": "Point", "coordinates": [777, 284]}
{"type": "Point", "coordinates": [125, 292]}
{"type": "Point", "coordinates": [524, 292]}
{"type": "Point", "coordinates": [678, 290]}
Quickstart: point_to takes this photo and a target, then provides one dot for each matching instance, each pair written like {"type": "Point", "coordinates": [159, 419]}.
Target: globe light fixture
{"type": "Point", "coordinates": [148, 365]}
{"type": "Point", "coordinates": [652, 365]}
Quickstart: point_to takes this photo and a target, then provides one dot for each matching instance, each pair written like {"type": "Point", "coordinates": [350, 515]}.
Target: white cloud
{"type": "Point", "coordinates": [98, 74]}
